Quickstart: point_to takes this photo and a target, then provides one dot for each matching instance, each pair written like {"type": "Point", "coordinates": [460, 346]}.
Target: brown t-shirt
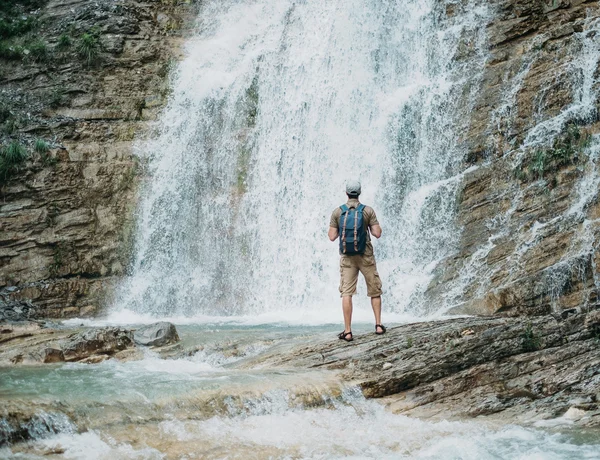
{"type": "Point", "coordinates": [369, 219]}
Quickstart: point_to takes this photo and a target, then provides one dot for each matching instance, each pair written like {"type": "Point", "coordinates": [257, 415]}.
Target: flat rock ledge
{"type": "Point", "coordinates": [525, 370]}
{"type": "Point", "coordinates": [33, 343]}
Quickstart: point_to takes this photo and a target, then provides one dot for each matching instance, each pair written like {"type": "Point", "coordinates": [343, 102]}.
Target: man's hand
{"type": "Point", "coordinates": [375, 231]}
{"type": "Point", "coordinates": [333, 233]}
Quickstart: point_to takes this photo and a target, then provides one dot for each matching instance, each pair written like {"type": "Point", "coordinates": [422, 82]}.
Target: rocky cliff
{"type": "Point", "coordinates": [79, 81]}
{"type": "Point", "coordinates": [529, 210]}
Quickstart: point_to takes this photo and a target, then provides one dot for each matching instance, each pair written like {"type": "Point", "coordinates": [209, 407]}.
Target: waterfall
{"type": "Point", "coordinates": [275, 105]}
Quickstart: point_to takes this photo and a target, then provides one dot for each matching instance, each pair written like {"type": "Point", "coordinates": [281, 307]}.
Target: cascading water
{"type": "Point", "coordinates": [276, 104]}
{"type": "Point", "coordinates": [479, 273]}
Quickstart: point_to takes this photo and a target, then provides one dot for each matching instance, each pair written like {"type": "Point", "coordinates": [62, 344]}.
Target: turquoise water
{"type": "Point", "coordinates": [215, 348]}
{"type": "Point", "coordinates": [202, 406]}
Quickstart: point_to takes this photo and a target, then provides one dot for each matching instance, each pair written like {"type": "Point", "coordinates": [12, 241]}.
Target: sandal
{"type": "Point", "coordinates": [342, 336]}
{"type": "Point", "coordinates": [383, 329]}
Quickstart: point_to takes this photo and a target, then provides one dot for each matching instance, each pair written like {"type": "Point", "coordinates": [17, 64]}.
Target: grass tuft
{"type": "Point", "coordinates": [41, 146]}
{"type": "Point", "coordinates": [530, 341]}
{"type": "Point", "coordinates": [64, 42]}
{"type": "Point", "coordinates": [11, 158]}
{"type": "Point", "coordinates": [89, 48]}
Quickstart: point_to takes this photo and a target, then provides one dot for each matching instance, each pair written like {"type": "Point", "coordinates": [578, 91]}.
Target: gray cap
{"type": "Point", "coordinates": [353, 187]}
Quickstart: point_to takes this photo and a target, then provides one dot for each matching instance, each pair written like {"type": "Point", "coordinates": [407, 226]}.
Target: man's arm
{"type": "Point", "coordinates": [333, 233]}
{"type": "Point", "coordinates": [334, 222]}
{"type": "Point", "coordinates": [375, 230]}
{"type": "Point", "coordinates": [374, 226]}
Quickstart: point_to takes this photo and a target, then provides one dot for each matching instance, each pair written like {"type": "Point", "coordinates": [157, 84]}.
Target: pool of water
{"type": "Point", "coordinates": [200, 405]}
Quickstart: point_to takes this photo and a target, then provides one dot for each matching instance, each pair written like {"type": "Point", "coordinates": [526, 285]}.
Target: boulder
{"type": "Point", "coordinates": [98, 341]}
{"type": "Point", "coordinates": [52, 355]}
{"type": "Point", "coordinates": [156, 335]}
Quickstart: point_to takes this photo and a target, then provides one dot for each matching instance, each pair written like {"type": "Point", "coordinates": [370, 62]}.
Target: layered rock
{"type": "Point", "coordinates": [28, 343]}
{"type": "Point", "coordinates": [529, 210]}
{"type": "Point", "coordinates": [66, 217]}
{"type": "Point", "coordinates": [467, 367]}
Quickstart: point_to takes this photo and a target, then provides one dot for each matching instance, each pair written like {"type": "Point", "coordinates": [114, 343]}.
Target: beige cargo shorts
{"type": "Point", "coordinates": [349, 268]}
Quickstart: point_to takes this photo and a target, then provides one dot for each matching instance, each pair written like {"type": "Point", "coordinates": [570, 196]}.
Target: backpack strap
{"type": "Point", "coordinates": [345, 210]}
{"type": "Point", "coordinates": [356, 231]}
{"type": "Point", "coordinates": [358, 210]}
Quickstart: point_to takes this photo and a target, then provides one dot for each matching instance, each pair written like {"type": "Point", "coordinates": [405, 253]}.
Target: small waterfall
{"type": "Point", "coordinates": [276, 104]}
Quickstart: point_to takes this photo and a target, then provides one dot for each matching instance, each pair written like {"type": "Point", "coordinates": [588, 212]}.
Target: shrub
{"type": "Point", "coordinates": [566, 149]}
{"type": "Point", "coordinates": [38, 50]}
{"type": "Point", "coordinates": [41, 146]}
{"type": "Point", "coordinates": [64, 42]}
{"type": "Point", "coordinates": [530, 341]}
{"type": "Point", "coordinates": [5, 112]}
{"type": "Point", "coordinates": [56, 98]}
{"type": "Point", "coordinates": [11, 158]}
{"type": "Point", "coordinates": [15, 27]}
{"type": "Point", "coordinates": [88, 48]}
{"type": "Point", "coordinates": [10, 125]}
{"type": "Point", "coordinates": [11, 51]}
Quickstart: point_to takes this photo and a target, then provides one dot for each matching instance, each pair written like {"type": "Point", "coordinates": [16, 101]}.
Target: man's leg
{"type": "Point", "coordinates": [347, 309]}
{"type": "Point", "coordinates": [348, 280]}
{"type": "Point", "coordinates": [376, 304]}
{"type": "Point", "coordinates": [369, 270]}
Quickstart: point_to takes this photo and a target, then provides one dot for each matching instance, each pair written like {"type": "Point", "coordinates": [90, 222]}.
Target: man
{"type": "Point", "coordinates": [356, 254]}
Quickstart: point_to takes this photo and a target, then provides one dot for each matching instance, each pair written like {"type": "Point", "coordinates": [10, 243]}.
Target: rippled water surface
{"type": "Point", "coordinates": [202, 406]}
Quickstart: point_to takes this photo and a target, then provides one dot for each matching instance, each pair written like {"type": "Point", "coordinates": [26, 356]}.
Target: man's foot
{"type": "Point", "coordinates": [380, 329]}
{"type": "Point", "coordinates": [344, 336]}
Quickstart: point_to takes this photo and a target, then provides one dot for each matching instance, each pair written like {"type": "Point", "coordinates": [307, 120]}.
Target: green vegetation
{"type": "Point", "coordinates": [11, 7]}
{"type": "Point", "coordinates": [10, 125]}
{"type": "Point", "coordinates": [5, 112]}
{"type": "Point", "coordinates": [409, 342]}
{"type": "Point", "coordinates": [243, 165]}
{"type": "Point", "coordinates": [530, 341]}
{"type": "Point", "coordinates": [11, 51]}
{"type": "Point", "coordinates": [14, 27]}
{"type": "Point", "coordinates": [11, 158]}
{"type": "Point", "coordinates": [38, 51]}
{"type": "Point", "coordinates": [17, 27]}
{"type": "Point", "coordinates": [58, 260]}
{"type": "Point", "coordinates": [41, 146]}
{"type": "Point", "coordinates": [566, 150]}
{"type": "Point", "coordinates": [56, 97]}
{"type": "Point", "coordinates": [64, 42]}
{"type": "Point", "coordinates": [88, 48]}
{"type": "Point", "coordinates": [252, 103]}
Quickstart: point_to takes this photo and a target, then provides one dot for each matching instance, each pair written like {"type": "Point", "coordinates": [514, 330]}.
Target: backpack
{"type": "Point", "coordinates": [353, 234]}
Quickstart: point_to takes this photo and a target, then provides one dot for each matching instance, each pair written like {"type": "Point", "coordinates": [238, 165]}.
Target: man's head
{"type": "Point", "coordinates": [353, 188]}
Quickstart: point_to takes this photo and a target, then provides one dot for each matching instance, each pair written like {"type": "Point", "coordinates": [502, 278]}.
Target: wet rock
{"type": "Point", "coordinates": [101, 341]}
{"type": "Point", "coordinates": [527, 245]}
{"type": "Point", "coordinates": [507, 367]}
{"type": "Point", "coordinates": [95, 359]}
{"type": "Point", "coordinates": [23, 424]}
{"type": "Point", "coordinates": [156, 335]}
{"type": "Point", "coordinates": [52, 355]}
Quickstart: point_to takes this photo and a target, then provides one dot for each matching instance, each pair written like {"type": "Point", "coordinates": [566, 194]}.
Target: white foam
{"type": "Point", "coordinates": [283, 318]}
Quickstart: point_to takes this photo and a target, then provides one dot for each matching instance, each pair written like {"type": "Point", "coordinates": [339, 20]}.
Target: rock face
{"type": "Point", "coordinates": [86, 81]}
{"type": "Point", "coordinates": [104, 341]}
{"type": "Point", "coordinates": [156, 335]}
{"type": "Point", "coordinates": [529, 212]}
{"type": "Point", "coordinates": [30, 343]}
{"type": "Point", "coordinates": [471, 366]}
